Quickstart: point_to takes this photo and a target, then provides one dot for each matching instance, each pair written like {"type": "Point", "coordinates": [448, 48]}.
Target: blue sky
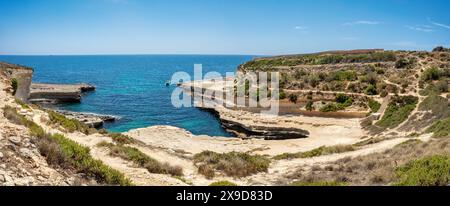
{"type": "Point", "coordinates": [266, 27]}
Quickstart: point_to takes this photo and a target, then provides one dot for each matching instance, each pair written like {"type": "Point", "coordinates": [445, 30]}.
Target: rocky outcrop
{"type": "Point", "coordinates": [90, 119]}
{"type": "Point", "coordinates": [58, 93]}
{"type": "Point", "coordinates": [23, 75]}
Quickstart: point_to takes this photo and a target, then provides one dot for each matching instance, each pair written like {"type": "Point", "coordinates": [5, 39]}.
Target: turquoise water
{"type": "Point", "coordinates": [132, 87]}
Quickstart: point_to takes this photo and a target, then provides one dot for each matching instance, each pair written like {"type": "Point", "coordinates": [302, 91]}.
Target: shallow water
{"type": "Point", "coordinates": [132, 86]}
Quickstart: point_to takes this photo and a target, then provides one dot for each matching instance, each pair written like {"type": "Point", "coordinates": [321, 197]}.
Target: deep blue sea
{"type": "Point", "coordinates": [132, 87]}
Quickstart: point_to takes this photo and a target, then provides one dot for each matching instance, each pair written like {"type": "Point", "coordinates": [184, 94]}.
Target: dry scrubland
{"type": "Point", "coordinates": [408, 144]}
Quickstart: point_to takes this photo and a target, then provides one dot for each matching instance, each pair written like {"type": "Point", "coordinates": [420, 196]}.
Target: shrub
{"type": "Point", "coordinates": [397, 111]}
{"type": "Point", "coordinates": [81, 159]}
{"type": "Point", "coordinates": [143, 160]}
{"type": "Point", "coordinates": [374, 105]}
{"type": "Point", "coordinates": [64, 152]}
{"type": "Point", "coordinates": [233, 163]}
{"type": "Point", "coordinates": [330, 107]}
{"type": "Point", "coordinates": [71, 125]}
{"type": "Point", "coordinates": [371, 90]}
{"type": "Point", "coordinates": [404, 63]}
{"type": "Point", "coordinates": [309, 105]}
{"type": "Point", "coordinates": [14, 85]}
{"type": "Point", "coordinates": [223, 183]}
{"type": "Point", "coordinates": [440, 128]}
{"type": "Point", "coordinates": [120, 138]}
{"type": "Point", "coordinates": [317, 152]}
{"type": "Point", "coordinates": [282, 94]}
{"type": "Point", "coordinates": [22, 104]}
{"type": "Point", "coordinates": [293, 98]}
{"type": "Point", "coordinates": [342, 101]}
{"type": "Point", "coordinates": [432, 73]}
{"type": "Point", "coordinates": [346, 75]}
{"type": "Point", "coordinates": [428, 171]}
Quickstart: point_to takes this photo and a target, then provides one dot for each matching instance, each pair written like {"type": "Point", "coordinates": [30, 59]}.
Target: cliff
{"type": "Point", "coordinates": [23, 75]}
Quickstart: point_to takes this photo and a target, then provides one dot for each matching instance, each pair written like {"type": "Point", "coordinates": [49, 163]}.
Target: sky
{"type": "Point", "coordinates": [255, 27]}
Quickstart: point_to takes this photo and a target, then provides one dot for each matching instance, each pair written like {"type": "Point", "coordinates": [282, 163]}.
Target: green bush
{"type": "Point", "coordinates": [432, 73]}
{"type": "Point", "coordinates": [371, 90]}
{"type": "Point", "coordinates": [282, 94]}
{"type": "Point", "coordinates": [374, 105]}
{"type": "Point", "coordinates": [397, 111]}
{"type": "Point", "coordinates": [317, 152]}
{"type": "Point", "coordinates": [233, 163]}
{"type": "Point", "coordinates": [64, 152]}
{"type": "Point", "coordinates": [428, 171]}
{"type": "Point", "coordinates": [71, 125]}
{"type": "Point", "coordinates": [120, 138]}
{"type": "Point", "coordinates": [293, 98]}
{"type": "Point", "coordinates": [223, 183]}
{"type": "Point", "coordinates": [309, 105]}
{"type": "Point", "coordinates": [342, 102]}
{"type": "Point", "coordinates": [440, 128]}
{"type": "Point", "coordinates": [14, 85]}
{"type": "Point", "coordinates": [22, 104]}
{"type": "Point", "coordinates": [330, 107]}
{"type": "Point", "coordinates": [143, 160]}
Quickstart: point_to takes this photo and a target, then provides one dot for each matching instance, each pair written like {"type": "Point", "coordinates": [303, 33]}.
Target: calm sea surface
{"type": "Point", "coordinates": [132, 87]}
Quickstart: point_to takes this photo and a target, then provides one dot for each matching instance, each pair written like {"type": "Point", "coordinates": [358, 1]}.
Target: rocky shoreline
{"type": "Point", "coordinates": [58, 93]}
{"type": "Point", "coordinates": [90, 119]}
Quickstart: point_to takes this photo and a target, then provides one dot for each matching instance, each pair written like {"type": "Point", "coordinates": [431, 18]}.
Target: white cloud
{"type": "Point", "coordinates": [362, 22]}
{"type": "Point", "coordinates": [300, 27]}
{"type": "Point", "coordinates": [420, 28]}
{"type": "Point", "coordinates": [440, 24]}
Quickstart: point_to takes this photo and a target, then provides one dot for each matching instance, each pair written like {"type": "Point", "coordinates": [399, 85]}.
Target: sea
{"type": "Point", "coordinates": [133, 87]}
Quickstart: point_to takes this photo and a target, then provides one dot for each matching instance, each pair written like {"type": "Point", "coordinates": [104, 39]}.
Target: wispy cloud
{"type": "Point", "coordinates": [439, 24]}
{"type": "Point", "coordinates": [300, 27]}
{"type": "Point", "coordinates": [420, 28]}
{"type": "Point", "coordinates": [361, 22]}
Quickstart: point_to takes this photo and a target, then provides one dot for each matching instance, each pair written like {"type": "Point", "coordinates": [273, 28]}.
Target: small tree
{"type": "Point", "coordinates": [14, 85]}
{"type": "Point", "coordinates": [309, 105]}
{"type": "Point", "coordinates": [371, 90]}
{"type": "Point", "coordinates": [293, 98]}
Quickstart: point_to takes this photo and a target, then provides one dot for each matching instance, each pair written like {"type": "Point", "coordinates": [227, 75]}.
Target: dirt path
{"type": "Point", "coordinates": [282, 168]}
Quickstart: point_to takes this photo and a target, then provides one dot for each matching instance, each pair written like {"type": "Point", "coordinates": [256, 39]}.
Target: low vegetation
{"type": "Point", "coordinates": [22, 104]}
{"type": "Point", "coordinates": [70, 125]}
{"type": "Point", "coordinates": [120, 138]}
{"type": "Point", "coordinates": [397, 111]}
{"type": "Point", "coordinates": [378, 168]}
{"type": "Point", "coordinates": [374, 105]}
{"type": "Point", "coordinates": [223, 183]}
{"type": "Point", "coordinates": [142, 160]}
{"type": "Point", "coordinates": [319, 59]}
{"type": "Point", "coordinates": [317, 152]}
{"type": "Point", "coordinates": [14, 85]}
{"type": "Point", "coordinates": [63, 152]}
{"type": "Point", "coordinates": [427, 171]}
{"type": "Point", "coordinates": [342, 101]}
{"type": "Point", "coordinates": [440, 128]}
{"type": "Point", "coordinates": [232, 164]}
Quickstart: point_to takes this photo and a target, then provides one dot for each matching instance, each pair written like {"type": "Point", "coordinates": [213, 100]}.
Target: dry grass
{"type": "Point", "coordinates": [142, 160]}
{"type": "Point", "coordinates": [232, 164]}
{"type": "Point", "coordinates": [373, 169]}
{"type": "Point", "coordinates": [317, 152]}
